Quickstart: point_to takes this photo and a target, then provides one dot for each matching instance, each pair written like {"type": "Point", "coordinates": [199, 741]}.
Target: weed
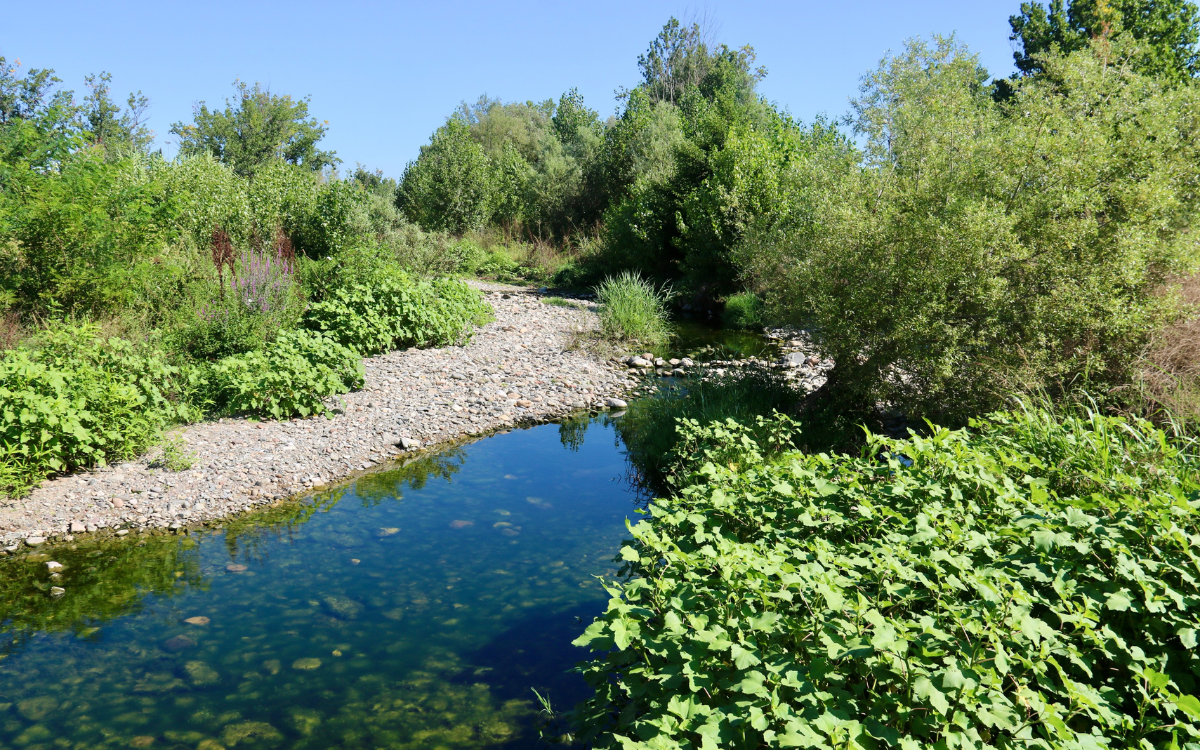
{"type": "Point", "coordinates": [633, 309]}
{"type": "Point", "coordinates": [174, 455]}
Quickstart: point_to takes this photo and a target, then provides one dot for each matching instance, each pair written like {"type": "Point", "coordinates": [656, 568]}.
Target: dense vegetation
{"type": "Point", "coordinates": [952, 240]}
{"type": "Point", "coordinates": [244, 277]}
{"type": "Point", "coordinates": [1029, 581]}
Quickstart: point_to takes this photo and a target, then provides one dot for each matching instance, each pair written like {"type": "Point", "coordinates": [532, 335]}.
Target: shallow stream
{"type": "Point", "coordinates": [414, 608]}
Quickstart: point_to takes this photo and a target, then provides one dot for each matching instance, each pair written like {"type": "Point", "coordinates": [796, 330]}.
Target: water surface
{"type": "Point", "coordinates": [415, 608]}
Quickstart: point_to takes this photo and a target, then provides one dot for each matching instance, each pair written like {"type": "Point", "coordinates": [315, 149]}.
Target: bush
{"type": "Point", "coordinates": [239, 312]}
{"type": "Point", "coordinates": [1030, 581]}
{"type": "Point", "coordinates": [290, 377]}
{"type": "Point", "coordinates": [979, 247]}
{"type": "Point", "coordinates": [743, 311]}
{"type": "Point", "coordinates": [71, 400]}
{"type": "Point", "coordinates": [371, 305]}
{"type": "Point", "coordinates": [633, 309]}
{"type": "Point", "coordinates": [651, 428]}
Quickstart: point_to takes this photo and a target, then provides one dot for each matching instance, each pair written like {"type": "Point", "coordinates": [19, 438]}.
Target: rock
{"type": "Point", "coordinates": [639, 362]}
{"type": "Point", "coordinates": [54, 567]}
{"type": "Point", "coordinates": [259, 730]}
{"type": "Point", "coordinates": [615, 403]}
{"type": "Point", "coordinates": [201, 674]}
{"type": "Point", "coordinates": [388, 531]}
{"type": "Point", "coordinates": [35, 541]}
{"type": "Point", "coordinates": [235, 568]}
{"type": "Point", "coordinates": [674, 362]}
{"type": "Point", "coordinates": [178, 643]}
{"type": "Point", "coordinates": [77, 527]}
{"type": "Point", "coordinates": [57, 591]}
{"type": "Point", "coordinates": [461, 524]}
{"type": "Point", "coordinates": [389, 439]}
{"type": "Point", "coordinates": [306, 664]}
{"type": "Point", "coordinates": [409, 444]}
{"type": "Point", "coordinates": [199, 620]}
{"type": "Point", "coordinates": [122, 532]}
{"type": "Point", "coordinates": [343, 607]}
{"type": "Point", "coordinates": [36, 709]}
{"type": "Point", "coordinates": [687, 362]}
{"type": "Point", "coordinates": [142, 740]}
{"type": "Point", "coordinates": [794, 359]}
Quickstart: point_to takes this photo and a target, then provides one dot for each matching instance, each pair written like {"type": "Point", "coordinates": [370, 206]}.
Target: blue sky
{"type": "Point", "coordinates": [386, 74]}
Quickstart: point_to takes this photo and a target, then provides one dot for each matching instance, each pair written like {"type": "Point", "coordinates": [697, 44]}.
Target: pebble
{"type": "Point", "coordinates": [201, 620]}
{"type": "Point", "coordinates": [516, 370]}
{"type": "Point", "coordinates": [235, 568]}
{"type": "Point", "coordinates": [54, 567]}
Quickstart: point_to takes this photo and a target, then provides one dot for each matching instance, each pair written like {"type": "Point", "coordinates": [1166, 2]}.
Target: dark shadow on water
{"type": "Point", "coordinates": [536, 654]}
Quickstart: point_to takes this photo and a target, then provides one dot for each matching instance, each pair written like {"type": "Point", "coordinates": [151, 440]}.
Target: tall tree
{"type": "Point", "coordinates": [256, 127]}
{"type": "Point", "coordinates": [1160, 35]}
{"type": "Point", "coordinates": [107, 123]}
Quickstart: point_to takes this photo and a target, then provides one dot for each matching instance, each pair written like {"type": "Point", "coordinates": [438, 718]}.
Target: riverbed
{"type": "Point", "coordinates": [417, 607]}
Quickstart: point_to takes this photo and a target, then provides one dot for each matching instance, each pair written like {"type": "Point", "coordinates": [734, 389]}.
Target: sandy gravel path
{"type": "Point", "coordinates": [515, 370]}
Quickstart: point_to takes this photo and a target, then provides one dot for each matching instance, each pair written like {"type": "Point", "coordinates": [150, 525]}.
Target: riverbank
{"type": "Point", "coordinates": [517, 369]}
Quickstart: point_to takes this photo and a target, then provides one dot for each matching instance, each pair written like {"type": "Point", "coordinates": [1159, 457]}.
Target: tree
{"type": "Point", "coordinates": [1159, 35]}
{"type": "Point", "coordinates": [105, 121]}
{"type": "Point", "coordinates": [255, 128]}
{"type": "Point", "coordinates": [451, 186]}
{"type": "Point", "coordinates": [979, 247]}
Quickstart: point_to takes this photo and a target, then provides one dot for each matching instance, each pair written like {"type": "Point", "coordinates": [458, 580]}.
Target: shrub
{"type": "Point", "coordinates": [633, 309]}
{"type": "Point", "coordinates": [290, 377]}
{"type": "Point", "coordinates": [240, 311]}
{"type": "Point", "coordinates": [651, 427]}
{"type": "Point", "coordinates": [71, 400]}
{"type": "Point", "coordinates": [371, 305]}
{"type": "Point", "coordinates": [1031, 581]}
{"type": "Point", "coordinates": [982, 247]}
{"type": "Point", "coordinates": [743, 311]}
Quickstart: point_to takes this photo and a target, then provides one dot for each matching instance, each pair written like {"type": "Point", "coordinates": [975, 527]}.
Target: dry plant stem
{"type": "Point", "coordinates": [1169, 374]}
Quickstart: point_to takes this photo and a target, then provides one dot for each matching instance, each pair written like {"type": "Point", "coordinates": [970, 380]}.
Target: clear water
{"type": "Point", "coordinates": [703, 342]}
{"type": "Point", "coordinates": [415, 608]}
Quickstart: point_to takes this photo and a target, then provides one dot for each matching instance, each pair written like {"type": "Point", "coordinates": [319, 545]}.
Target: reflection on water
{"type": "Point", "coordinates": [414, 609]}
{"type": "Point", "coordinates": [703, 342]}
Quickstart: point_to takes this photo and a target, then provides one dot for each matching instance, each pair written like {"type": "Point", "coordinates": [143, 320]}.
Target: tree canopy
{"type": "Point", "coordinates": [256, 127]}
{"type": "Point", "coordinates": [1158, 36]}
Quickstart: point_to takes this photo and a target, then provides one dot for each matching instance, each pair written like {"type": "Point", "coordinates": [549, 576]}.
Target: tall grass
{"type": "Point", "coordinates": [632, 309]}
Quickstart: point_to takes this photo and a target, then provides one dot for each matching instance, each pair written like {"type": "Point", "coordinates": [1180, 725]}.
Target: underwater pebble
{"type": "Point", "coordinates": [197, 620]}
{"type": "Point", "coordinates": [235, 568]}
{"type": "Point", "coordinates": [306, 663]}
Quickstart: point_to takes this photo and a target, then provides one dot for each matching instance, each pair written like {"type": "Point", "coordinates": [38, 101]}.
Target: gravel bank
{"type": "Point", "coordinates": [515, 370]}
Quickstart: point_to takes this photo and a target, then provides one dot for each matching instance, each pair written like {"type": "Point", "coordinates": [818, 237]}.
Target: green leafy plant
{"type": "Point", "coordinates": [633, 309]}
{"type": "Point", "coordinates": [174, 455]}
{"type": "Point", "coordinates": [371, 305]}
{"type": "Point", "coordinates": [1029, 581]}
{"type": "Point", "coordinates": [651, 431]}
{"type": "Point", "coordinates": [290, 377]}
{"type": "Point", "coordinates": [70, 399]}
{"type": "Point", "coordinates": [743, 311]}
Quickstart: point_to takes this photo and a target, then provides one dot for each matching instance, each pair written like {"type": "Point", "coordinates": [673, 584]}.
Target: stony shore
{"type": "Point", "coordinates": [516, 370]}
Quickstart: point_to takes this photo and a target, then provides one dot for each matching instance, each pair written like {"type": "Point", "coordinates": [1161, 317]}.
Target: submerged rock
{"type": "Point", "coordinates": [201, 674]}
{"type": "Point", "coordinates": [306, 664]}
{"type": "Point", "coordinates": [258, 730]}
{"type": "Point", "coordinates": [343, 607]}
{"type": "Point", "coordinates": [200, 620]}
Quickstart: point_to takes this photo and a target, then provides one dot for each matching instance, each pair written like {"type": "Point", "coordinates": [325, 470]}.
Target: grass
{"type": "Point", "coordinates": [560, 302]}
{"type": "Point", "coordinates": [649, 428]}
{"type": "Point", "coordinates": [174, 456]}
{"type": "Point", "coordinates": [633, 310]}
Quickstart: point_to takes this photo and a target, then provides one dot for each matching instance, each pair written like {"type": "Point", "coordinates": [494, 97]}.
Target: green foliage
{"type": "Point", "coordinates": [255, 129]}
{"type": "Point", "coordinates": [290, 377]}
{"type": "Point", "coordinates": [174, 455]}
{"type": "Point", "coordinates": [1029, 582]}
{"type": "Point", "coordinates": [986, 247]}
{"type": "Point", "coordinates": [633, 309]}
{"type": "Point", "coordinates": [744, 311]}
{"type": "Point", "coordinates": [240, 311]}
{"type": "Point", "coordinates": [651, 428]}
{"type": "Point", "coordinates": [71, 400]}
{"type": "Point", "coordinates": [1157, 38]}
{"type": "Point", "coordinates": [370, 304]}
{"type": "Point", "coordinates": [451, 185]}
{"type": "Point", "coordinates": [118, 132]}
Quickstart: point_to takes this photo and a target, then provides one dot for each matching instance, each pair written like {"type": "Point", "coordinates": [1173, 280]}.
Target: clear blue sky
{"type": "Point", "coordinates": [386, 74]}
